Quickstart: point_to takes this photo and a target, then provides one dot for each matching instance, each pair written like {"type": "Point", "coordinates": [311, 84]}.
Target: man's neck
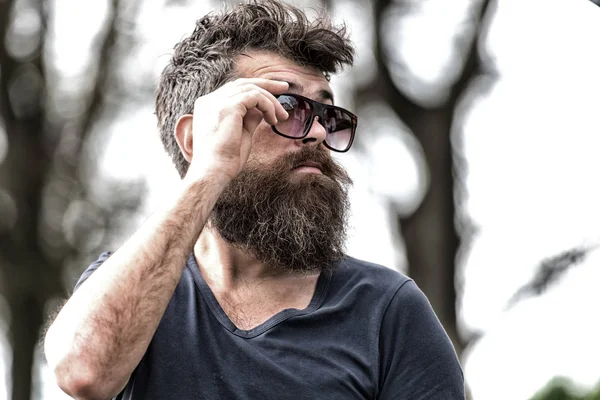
{"type": "Point", "coordinates": [249, 291]}
{"type": "Point", "coordinates": [226, 267]}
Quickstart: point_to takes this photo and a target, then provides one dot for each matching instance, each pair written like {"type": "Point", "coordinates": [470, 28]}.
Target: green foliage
{"type": "Point", "coordinates": [564, 389]}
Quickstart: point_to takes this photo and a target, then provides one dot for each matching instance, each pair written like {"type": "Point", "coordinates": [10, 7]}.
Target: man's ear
{"type": "Point", "coordinates": [184, 135]}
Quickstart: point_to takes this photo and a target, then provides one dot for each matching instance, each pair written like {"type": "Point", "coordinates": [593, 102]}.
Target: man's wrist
{"type": "Point", "coordinates": [209, 176]}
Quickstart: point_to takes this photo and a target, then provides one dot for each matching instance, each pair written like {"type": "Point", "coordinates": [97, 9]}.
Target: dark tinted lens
{"type": "Point", "coordinates": [299, 111]}
{"type": "Point", "coordinates": [339, 127]}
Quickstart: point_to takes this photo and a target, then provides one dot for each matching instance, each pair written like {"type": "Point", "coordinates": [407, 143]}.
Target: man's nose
{"type": "Point", "coordinates": [316, 134]}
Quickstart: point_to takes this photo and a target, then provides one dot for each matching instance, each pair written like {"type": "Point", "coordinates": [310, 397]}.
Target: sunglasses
{"type": "Point", "coordinates": [339, 124]}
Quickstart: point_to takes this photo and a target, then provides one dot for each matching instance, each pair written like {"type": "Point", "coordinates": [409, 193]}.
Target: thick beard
{"type": "Point", "coordinates": [293, 222]}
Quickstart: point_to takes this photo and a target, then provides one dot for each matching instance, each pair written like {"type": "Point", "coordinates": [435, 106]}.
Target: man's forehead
{"type": "Point", "coordinates": [308, 81]}
{"type": "Point", "coordinates": [318, 93]}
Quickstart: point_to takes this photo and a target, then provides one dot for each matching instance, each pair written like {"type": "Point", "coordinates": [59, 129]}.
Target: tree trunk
{"type": "Point", "coordinates": [429, 233]}
{"type": "Point", "coordinates": [33, 276]}
{"type": "Point", "coordinates": [24, 333]}
{"type": "Point", "coordinates": [31, 279]}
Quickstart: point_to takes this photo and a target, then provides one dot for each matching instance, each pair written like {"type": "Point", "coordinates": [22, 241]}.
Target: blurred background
{"type": "Point", "coordinates": [474, 169]}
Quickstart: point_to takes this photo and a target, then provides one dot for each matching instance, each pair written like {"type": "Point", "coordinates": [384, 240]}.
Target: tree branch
{"type": "Point", "coordinates": [549, 272]}
{"type": "Point", "coordinates": [408, 110]}
{"type": "Point", "coordinates": [384, 85]}
{"type": "Point", "coordinates": [102, 77]}
{"type": "Point", "coordinates": [472, 66]}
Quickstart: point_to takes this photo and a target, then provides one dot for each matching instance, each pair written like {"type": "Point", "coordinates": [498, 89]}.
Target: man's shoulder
{"type": "Point", "coordinates": [360, 272]}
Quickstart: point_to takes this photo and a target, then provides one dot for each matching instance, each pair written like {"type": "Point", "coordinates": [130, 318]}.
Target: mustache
{"type": "Point", "coordinates": [328, 166]}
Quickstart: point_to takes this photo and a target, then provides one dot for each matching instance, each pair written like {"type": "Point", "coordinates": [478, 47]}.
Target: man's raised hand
{"type": "Point", "coordinates": [217, 139]}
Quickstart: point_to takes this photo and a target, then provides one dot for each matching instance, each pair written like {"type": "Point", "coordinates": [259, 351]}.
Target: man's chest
{"type": "Point", "coordinates": [249, 314]}
{"type": "Point", "coordinates": [275, 370]}
{"type": "Point", "coordinates": [303, 357]}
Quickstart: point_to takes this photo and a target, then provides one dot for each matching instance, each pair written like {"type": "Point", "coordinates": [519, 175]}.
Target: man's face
{"type": "Point", "coordinates": [309, 82]}
{"type": "Point", "coordinates": [288, 207]}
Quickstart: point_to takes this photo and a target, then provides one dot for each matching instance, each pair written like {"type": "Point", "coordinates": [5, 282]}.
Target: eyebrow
{"type": "Point", "coordinates": [323, 93]}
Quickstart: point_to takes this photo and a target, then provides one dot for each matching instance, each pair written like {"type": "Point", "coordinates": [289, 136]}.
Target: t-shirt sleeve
{"type": "Point", "coordinates": [93, 267]}
{"type": "Point", "coordinates": [417, 359]}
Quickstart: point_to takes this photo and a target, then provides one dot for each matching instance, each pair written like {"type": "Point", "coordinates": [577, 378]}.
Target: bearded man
{"type": "Point", "coordinates": [239, 288]}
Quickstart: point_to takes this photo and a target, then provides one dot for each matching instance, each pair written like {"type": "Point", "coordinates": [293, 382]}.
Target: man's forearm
{"type": "Point", "coordinates": [103, 331]}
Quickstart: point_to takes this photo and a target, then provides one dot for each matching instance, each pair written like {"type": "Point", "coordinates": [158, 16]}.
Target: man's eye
{"type": "Point", "coordinates": [336, 126]}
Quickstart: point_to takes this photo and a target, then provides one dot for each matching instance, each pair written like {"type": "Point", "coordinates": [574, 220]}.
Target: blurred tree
{"type": "Point", "coordinates": [49, 220]}
{"type": "Point", "coordinates": [430, 233]}
{"type": "Point", "coordinates": [564, 389]}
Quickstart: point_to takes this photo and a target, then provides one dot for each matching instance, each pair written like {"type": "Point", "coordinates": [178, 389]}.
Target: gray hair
{"type": "Point", "coordinates": [204, 61]}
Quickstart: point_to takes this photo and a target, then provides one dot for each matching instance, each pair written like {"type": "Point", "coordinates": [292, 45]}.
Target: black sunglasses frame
{"type": "Point", "coordinates": [318, 110]}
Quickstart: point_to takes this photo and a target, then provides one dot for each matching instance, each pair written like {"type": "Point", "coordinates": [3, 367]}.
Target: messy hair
{"type": "Point", "coordinates": [204, 61]}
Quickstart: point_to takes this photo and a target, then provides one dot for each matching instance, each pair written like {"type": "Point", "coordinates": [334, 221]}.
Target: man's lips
{"type": "Point", "coordinates": [309, 167]}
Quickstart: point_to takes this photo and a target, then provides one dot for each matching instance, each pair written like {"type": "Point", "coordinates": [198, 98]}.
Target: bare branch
{"type": "Point", "coordinates": [104, 59]}
{"type": "Point", "coordinates": [384, 85]}
{"type": "Point", "coordinates": [549, 272]}
{"type": "Point", "coordinates": [473, 66]}
{"type": "Point", "coordinates": [409, 111]}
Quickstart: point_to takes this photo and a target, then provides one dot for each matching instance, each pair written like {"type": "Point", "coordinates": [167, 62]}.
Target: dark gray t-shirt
{"type": "Point", "coordinates": [368, 333]}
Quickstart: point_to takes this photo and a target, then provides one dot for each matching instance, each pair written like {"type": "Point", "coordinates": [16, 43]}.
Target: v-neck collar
{"type": "Point", "coordinates": [210, 299]}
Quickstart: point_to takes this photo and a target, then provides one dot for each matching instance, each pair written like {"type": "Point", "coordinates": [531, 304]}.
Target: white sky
{"type": "Point", "coordinates": [532, 149]}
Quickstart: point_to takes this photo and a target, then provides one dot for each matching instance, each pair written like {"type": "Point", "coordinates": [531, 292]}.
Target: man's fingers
{"type": "Point", "coordinates": [256, 99]}
{"type": "Point", "coordinates": [280, 112]}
